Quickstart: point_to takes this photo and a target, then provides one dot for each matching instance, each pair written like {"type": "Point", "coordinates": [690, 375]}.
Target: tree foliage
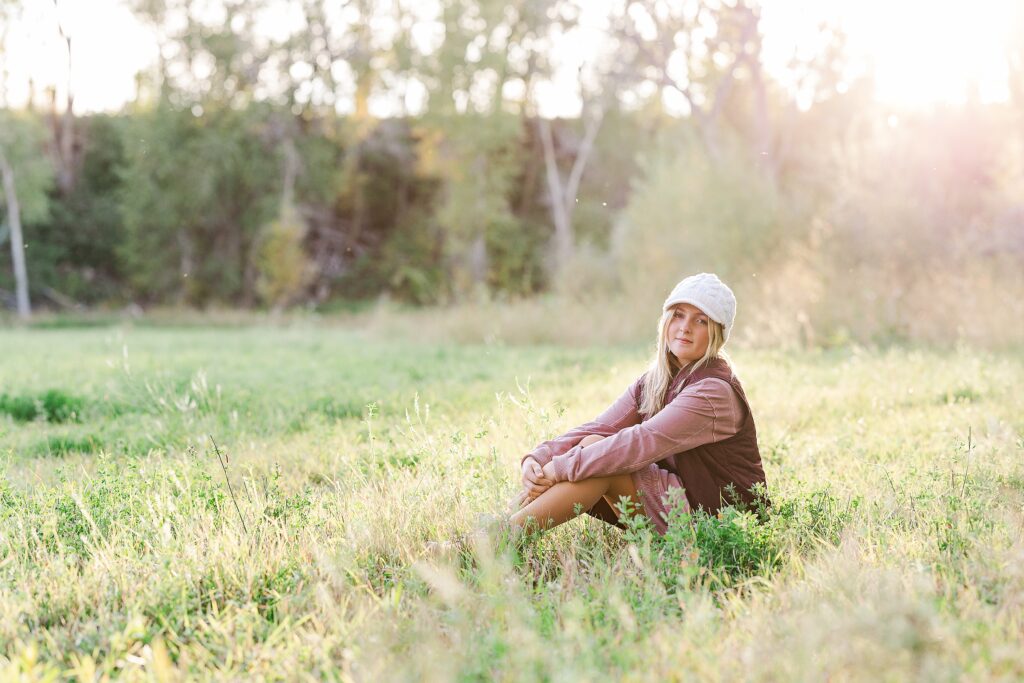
{"type": "Point", "coordinates": [255, 167]}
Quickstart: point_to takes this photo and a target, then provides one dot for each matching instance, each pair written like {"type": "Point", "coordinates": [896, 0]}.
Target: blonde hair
{"type": "Point", "coordinates": [665, 366]}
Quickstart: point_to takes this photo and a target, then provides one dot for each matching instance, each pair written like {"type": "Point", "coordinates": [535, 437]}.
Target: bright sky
{"type": "Point", "coordinates": [922, 51]}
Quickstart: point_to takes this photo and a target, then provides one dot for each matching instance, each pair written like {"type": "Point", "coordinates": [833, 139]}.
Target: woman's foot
{"type": "Point", "coordinates": [489, 532]}
{"type": "Point", "coordinates": [518, 501]}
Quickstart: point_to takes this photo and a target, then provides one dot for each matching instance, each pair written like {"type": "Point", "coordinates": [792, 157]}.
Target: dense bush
{"type": "Point", "coordinates": [53, 406]}
{"type": "Point", "coordinates": [736, 544]}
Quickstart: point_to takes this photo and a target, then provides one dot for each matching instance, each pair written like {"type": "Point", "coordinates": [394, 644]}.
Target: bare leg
{"type": "Point", "coordinates": [559, 503]}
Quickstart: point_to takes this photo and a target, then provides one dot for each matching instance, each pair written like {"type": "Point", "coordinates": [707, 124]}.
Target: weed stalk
{"type": "Point", "coordinates": [223, 466]}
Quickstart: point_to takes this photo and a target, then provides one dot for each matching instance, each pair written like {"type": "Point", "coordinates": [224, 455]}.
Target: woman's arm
{"type": "Point", "coordinates": [619, 415]}
{"type": "Point", "coordinates": [704, 412]}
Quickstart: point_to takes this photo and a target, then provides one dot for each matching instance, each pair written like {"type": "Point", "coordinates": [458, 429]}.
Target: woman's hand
{"type": "Point", "coordinates": [548, 471]}
{"type": "Point", "coordinates": [536, 480]}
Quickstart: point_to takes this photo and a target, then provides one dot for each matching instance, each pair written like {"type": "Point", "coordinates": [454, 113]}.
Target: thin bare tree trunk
{"type": "Point", "coordinates": [590, 129]}
{"type": "Point", "coordinates": [185, 263]}
{"type": "Point", "coordinates": [64, 125]}
{"type": "Point", "coordinates": [292, 162]}
{"type": "Point", "coordinates": [477, 254]}
{"type": "Point", "coordinates": [478, 263]}
{"type": "Point", "coordinates": [763, 139]}
{"type": "Point", "coordinates": [17, 244]}
{"type": "Point", "coordinates": [559, 215]}
{"type": "Point", "coordinates": [563, 196]}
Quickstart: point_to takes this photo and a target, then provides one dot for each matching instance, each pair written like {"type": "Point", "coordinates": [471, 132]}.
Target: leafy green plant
{"type": "Point", "coordinates": [736, 543]}
{"type": "Point", "coordinates": [52, 405]}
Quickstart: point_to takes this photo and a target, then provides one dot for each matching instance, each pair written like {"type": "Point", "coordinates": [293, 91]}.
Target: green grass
{"type": "Point", "coordinates": [893, 550]}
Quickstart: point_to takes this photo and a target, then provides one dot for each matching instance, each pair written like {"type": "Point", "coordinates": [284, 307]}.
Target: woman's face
{"type": "Point", "coordinates": [688, 334]}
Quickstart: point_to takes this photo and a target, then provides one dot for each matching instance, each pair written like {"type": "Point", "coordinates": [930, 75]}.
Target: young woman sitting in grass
{"type": "Point", "coordinates": [685, 423]}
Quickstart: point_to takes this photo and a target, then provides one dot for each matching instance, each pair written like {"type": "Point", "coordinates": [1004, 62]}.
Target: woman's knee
{"type": "Point", "coordinates": [620, 485]}
{"type": "Point", "coordinates": [590, 440]}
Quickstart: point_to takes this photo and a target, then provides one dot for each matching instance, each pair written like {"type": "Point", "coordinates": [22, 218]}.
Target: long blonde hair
{"type": "Point", "coordinates": [665, 366]}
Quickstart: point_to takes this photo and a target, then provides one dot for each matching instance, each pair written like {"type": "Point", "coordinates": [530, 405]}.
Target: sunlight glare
{"type": "Point", "coordinates": [919, 53]}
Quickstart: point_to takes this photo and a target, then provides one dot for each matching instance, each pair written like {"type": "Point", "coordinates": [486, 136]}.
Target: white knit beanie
{"type": "Point", "coordinates": [709, 294]}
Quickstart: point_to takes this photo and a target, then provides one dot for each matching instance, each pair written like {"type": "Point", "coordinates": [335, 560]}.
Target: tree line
{"type": "Point", "coordinates": [254, 167]}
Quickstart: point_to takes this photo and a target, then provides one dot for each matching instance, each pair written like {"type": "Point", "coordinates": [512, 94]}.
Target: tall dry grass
{"type": "Point", "coordinates": [894, 551]}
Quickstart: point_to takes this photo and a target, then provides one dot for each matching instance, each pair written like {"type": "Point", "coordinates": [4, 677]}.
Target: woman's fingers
{"type": "Point", "coordinates": [535, 476]}
{"type": "Point", "coordinates": [534, 489]}
{"type": "Point", "coordinates": [548, 472]}
{"type": "Point", "coordinates": [541, 481]}
{"type": "Point", "coordinates": [535, 481]}
{"type": "Point", "coordinates": [529, 498]}
{"type": "Point", "coordinates": [528, 480]}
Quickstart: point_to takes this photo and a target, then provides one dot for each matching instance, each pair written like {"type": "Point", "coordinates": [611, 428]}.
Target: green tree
{"type": "Point", "coordinates": [202, 175]}
{"type": "Point", "coordinates": [195, 193]}
{"type": "Point", "coordinates": [74, 249]}
{"type": "Point", "coordinates": [699, 51]}
{"type": "Point", "coordinates": [473, 132]}
{"type": "Point", "coordinates": [283, 266]}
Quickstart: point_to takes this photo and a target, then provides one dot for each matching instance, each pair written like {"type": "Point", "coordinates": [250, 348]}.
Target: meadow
{"type": "Point", "coordinates": [129, 549]}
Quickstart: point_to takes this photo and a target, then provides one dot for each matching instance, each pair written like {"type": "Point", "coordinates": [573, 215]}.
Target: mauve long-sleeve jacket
{"type": "Point", "coordinates": [705, 411]}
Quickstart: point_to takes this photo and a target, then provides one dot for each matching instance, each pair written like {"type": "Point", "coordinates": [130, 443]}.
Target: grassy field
{"type": "Point", "coordinates": [894, 552]}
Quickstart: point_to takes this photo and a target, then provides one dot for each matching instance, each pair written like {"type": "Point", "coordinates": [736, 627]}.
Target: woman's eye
{"type": "Point", "coordinates": [703, 321]}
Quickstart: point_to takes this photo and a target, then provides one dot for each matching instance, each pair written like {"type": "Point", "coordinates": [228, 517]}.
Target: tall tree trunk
{"type": "Point", "coordinates": [185, 255]}
{"type": "Point", "coordinates": [1015, 69]}
{"type": "Point", "coordinates": [559, 211]}
{"type": "Point", "coordinates": [478, 263]}
{"type": "Point", "coordinates": [764, 153]}
{"type": "Point", "coordinates": [17, 244]}
{"type": "Point", "coordinates": [477, 254]}
{"type": "Point", "coordinates": [563, 195]}
{"type": "Point", "coordinates": [64, 126]}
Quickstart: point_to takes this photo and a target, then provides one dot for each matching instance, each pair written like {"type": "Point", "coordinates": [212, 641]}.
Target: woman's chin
{"type": "Point", "coordinates": [687, 356]}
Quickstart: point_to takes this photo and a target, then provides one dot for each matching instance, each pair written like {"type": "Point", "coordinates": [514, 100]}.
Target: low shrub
{"type": "Point", "coordinates": [53, 406]}
{"type": "Point", "coordinates": [737, 543]}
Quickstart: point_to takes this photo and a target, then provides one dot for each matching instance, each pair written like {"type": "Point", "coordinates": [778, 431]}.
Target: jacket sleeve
{"type": "Point", "coordinates": [704, 412]}
{"type": "Point", "coordinates": [620, 414]}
